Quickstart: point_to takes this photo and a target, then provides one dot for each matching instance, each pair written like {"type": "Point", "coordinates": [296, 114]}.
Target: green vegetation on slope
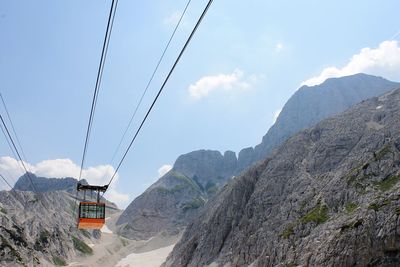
{"type": "Point", "coordinates": [319, 214]}
{"type": "Point", "coordinates": [350, 207]}
{"type": "Point", "coordinates": [195, 203]}
{"type": "Point", "coordinates": [388, 183]}
{"type": "Point", "coordinates": [58, 261]}
{"type": "Point", "coordinates": [81, 246]}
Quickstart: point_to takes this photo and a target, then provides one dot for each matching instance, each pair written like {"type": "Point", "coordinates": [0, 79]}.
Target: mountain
{"type": "Point", "coordinates": [329, 196]}
{"type": "Point", "coordinates": [39, 229]}
{"type": "Point", "coordinates": [173, 200]}
{"type": "Point", "coordinates": [200, 174]}
{"type": "Point", "coordinates": [43, 184]}
{"type": "Point", "coordinates": [310, 105]}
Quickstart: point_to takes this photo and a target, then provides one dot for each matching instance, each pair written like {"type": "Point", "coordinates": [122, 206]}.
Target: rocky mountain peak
{"type": "Point", "coordinates": [197, 176]}
{"type": "Point", "coordinates": [309, 105]}
{"type": "Point", "coordinates": [43, 184]}
{"type": "Point", "coordinates": [207, 166]}
{"type": "Point", "coordinates": [329, 196]}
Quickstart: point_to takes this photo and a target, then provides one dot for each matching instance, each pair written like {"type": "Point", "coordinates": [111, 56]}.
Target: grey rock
{"type": "Point", "coordinates": [329, 196]}
{"type": "Point", "coordinates": [230, 163]}
{"type": "Point", "coordinates": [165, 207]}
{"type": "Point", "coordinates": [169, 204]}
{"type": "Point", "coordinates": [246, 158]}
{"type": "Point", "coordinates": [310, 105]}
{"type": "Point", "coordinates": [38, 229]}
{"type": "Point", "coordinates": [210, 170]}
{"type": "Point", "coordinates": [206, 166]}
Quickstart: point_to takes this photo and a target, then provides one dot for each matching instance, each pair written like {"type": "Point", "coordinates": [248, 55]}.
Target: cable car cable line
{"type": "Point", "coordinates": [18, 154]}
{"type": "Point", "coordinates": [5, 180]}
{"type": "Point", "coordinates": [15, 134]}
{"type": "Point", "coordinates": [162, 88]}
{"type": "Point", "coordinates": [13, 128]}
{"type": "Point", "coordinates": [9, 144]}
{"type": "Point", "coordinates": [150, 81]}
{"type": "Point", "coordinates": [106, 42]}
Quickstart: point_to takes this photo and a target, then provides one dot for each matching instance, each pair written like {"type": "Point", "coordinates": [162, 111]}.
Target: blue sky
{"type": "Point", "coordinates": [246, 60]}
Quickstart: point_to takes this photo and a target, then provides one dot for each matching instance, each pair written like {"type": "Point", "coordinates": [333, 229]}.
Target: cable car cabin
{"type": "Point", "coordinates": [91, 214]}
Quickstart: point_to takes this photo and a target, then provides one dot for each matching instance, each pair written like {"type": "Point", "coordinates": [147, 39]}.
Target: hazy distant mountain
{"type": "Point", "coordinates": [329, 196]}
{"type": "Point", "coordinates": [148, 214]}
{"type": "Point", "coordinates": [43, 184]}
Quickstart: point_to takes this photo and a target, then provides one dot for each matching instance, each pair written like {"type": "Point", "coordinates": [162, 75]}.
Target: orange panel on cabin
{"type": "Point", "coordinates": [88, 223]}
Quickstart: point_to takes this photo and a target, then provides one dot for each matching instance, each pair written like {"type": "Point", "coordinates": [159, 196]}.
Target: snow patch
{"type": "Point", "coordinates": [379, 107]}
{"type": "Point", "coordinates": [105, 230]}
{"type": "Point", "coordinates": [153, 258]}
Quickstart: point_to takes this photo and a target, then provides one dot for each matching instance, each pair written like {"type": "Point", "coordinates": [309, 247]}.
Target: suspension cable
{"type": "Point", "coordinates": [18, 154]}
{"type": "Point", "coordinates": [12, 127]}
{"type": "Point", "coordinates": [162, 88]}
{"type": "Point", "coordinates": [9, 143]}
{"type": "Point", "coordinates": [5, 180]}
{"type": "Point", "coordinates": [106, 41]}
{"type": "Point", "coordinates": [149, 82]}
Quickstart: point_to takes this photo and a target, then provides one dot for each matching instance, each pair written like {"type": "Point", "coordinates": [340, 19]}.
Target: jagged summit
{"type": "Point", "coordinates": [309, 105]}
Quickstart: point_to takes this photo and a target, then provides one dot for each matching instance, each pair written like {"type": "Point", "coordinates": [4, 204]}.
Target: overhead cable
{"type": "Point", "coordinates": [106, 41]}
{"type": "Point", "coordinates": [162, 88]}
{"type": "Point", "coordinates": [149, 82]}
{"type": "Point", "coordinates": [18, 154]}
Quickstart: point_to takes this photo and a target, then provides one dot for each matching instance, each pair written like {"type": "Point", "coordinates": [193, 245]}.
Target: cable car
{"type": "Point", "coordinates": [91, 215]}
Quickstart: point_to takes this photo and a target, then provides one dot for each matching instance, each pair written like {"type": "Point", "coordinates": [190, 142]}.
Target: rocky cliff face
{"type": "Point", "coordinates": [329, 196]}
{"type": "Point", "coordinates": [210, 170]}
{"type": "Point", "coordinates": [170, 203]}
{"type": "Point", "coordinates": [40, 229]}
{"type": "Point", "coordinates": [310, 105]}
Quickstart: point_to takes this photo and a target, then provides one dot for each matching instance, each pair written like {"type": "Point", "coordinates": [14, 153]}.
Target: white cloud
{"type": "Point", "coordinates": [279, 47]}
{"type": "Point", "coordinates": [120, 199]}
{"type": "Point", "coordinates": [276, 114]}
{"type": "Point", "coordinates": [227, 82]}
{"type": "Point", "coordinates": [164, 169]}
{"type": "Point", "coordinates": [382, 61]}
{"type": "Point", "coordinates": [60, 168]}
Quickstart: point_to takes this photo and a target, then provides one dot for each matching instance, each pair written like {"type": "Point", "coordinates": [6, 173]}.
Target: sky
{"type": "Point", "coordinates": [245, 61]}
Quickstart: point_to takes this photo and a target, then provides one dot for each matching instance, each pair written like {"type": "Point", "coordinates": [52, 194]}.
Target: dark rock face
{"type": "Point", "coordinates": [329, 196]}
{"type": "Point", "coordinates": [43, 184]}
{"type": "Point", "coordinates": [170, 203]}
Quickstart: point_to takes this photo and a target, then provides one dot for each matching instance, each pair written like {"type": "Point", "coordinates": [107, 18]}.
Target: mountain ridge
{"type": "Point", "coordinates": [206, 166]}
{"type": "Point", "coordinates": [328, 196]}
